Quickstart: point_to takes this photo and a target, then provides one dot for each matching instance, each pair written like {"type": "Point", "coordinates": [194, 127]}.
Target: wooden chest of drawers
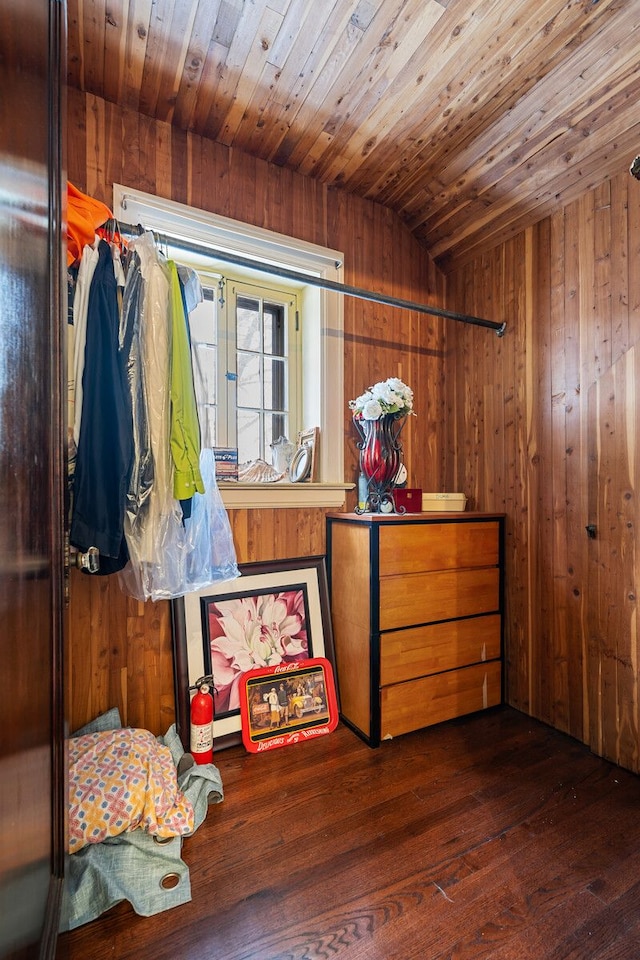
{"type": "Point", "coordinates": [416, 605]}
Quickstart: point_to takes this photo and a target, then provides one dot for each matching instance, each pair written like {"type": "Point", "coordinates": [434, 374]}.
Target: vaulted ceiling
{"type": "Point", "coordinates": [469, 118]}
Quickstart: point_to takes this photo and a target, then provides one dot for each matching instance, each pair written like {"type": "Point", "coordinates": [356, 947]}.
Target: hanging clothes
{"type": "Point", "coordinates": [86, 270]}
{"type": "Point", "coordinates": [148, 538]}
{"type": "Point", "coordinates": [84, 215]}
{"type": "Point", "coordinates": [185, 428]}
{"type": "Point", "coordinates": [88, 221]}
{"type": "Point", "coordinates": [192, 293]}
{"type": "Point", "coordinates": [105, 443]}
{"type": "Point", "coordinates": [143, 492]}
{"type": "Point", "coordinates": [72, 279]}
{"type": "Point", "coordinates": [170, 554]}
{"type": "Point", "coordinates": [142, 469]}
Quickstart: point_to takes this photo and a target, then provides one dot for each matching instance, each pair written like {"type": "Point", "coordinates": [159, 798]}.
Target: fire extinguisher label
{"type": "Point", "coordinates": [201, 737]}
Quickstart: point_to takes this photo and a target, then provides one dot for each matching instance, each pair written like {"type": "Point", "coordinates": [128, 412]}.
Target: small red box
{"type": "Point", "coordinates": [408, 500]}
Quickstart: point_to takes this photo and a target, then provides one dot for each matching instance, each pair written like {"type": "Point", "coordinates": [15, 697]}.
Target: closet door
{"type": "Point", "coordinates": [31, 478]}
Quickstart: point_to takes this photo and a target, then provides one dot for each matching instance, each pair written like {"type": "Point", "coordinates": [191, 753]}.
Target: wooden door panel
{"type": "Point", "coordinates": [31, 478]}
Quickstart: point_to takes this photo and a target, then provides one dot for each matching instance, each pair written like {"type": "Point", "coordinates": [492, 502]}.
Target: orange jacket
{"type": "Point", "coordinates": [84, 216]}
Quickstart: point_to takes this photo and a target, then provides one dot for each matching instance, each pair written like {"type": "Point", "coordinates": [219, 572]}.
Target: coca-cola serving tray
{"type": "Point", "coordinates": [288, 703]}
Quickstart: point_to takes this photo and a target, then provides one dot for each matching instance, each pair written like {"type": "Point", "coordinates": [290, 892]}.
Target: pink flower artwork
{"type": "Point", "coordinates": [250, 632]}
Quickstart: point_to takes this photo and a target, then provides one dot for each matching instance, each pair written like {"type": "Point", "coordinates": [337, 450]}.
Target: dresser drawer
{"type": "Point", "coordinates": [417, 651]}
{"type": "Point", "coordinates": [419, 703]}
{"type": "Point", "coordinates": [422, 547]}
{"type": "Point", "coordinates": [445, 595]}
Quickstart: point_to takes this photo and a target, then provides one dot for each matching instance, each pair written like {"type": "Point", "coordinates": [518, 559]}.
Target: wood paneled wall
{"type": "Point", "coordinates": [540, 424]}
{"type": "Point", "coordinates": [544, 427]}
{"type": "Point", "coordinates": [120, 650]}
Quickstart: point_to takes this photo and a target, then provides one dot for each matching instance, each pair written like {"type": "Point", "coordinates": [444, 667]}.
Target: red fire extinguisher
{"type": "Point", "coordinates": [202, 721]}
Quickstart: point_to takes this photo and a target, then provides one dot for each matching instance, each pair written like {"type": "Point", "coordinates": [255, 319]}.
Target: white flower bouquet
{"type": "Point", "coordinates": [390, 396]}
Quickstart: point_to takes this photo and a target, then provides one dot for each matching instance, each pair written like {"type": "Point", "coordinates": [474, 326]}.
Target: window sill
{"type": "Point", "coordinates": [252, 496]}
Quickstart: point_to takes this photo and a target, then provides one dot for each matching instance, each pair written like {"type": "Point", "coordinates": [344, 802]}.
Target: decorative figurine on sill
{"type": "Point", "coordinates": [282, 451]}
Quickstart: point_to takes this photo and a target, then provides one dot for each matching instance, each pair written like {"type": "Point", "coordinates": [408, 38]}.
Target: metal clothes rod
{"type": "Point", "coordinates": [131, 230]}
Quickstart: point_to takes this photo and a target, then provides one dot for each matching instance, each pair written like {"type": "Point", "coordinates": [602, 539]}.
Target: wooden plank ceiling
{"type": "Point", "coordinates": [469, 118]}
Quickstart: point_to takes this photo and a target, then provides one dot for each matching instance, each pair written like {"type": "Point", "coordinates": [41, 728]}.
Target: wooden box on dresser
{"type": "Point", "coordinates": [416, 604]}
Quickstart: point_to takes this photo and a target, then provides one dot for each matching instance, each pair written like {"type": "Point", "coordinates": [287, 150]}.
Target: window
{"type": "Point", "coordinates": [265, 357]}
{"type": "Point", "coordinates": [247, 347]}
{"type": "Point", "coordinates": [270, 348]}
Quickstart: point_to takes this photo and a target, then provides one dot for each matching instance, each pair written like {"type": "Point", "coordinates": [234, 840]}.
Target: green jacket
{"type": "Point", "coordinates": [185, 427]}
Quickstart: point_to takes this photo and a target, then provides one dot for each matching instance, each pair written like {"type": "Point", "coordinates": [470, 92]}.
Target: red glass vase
{"type": "Point", "coordinates": [380, 452]}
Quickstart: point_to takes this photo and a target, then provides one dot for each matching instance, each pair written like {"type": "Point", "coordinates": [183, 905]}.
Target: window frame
{"type": "Point", "coordinates": [323, 399]}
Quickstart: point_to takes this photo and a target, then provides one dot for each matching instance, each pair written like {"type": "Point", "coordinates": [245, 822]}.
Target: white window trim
{"type": "Point", "coordinates": [189, 223]}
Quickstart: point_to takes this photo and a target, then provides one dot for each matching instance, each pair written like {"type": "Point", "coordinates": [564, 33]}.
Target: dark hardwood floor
{"type": "Point", "coordinates": [492, 836]}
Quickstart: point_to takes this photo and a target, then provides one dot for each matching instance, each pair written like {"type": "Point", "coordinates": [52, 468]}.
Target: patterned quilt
{"type": "Point", "coordinates": [120, 780]}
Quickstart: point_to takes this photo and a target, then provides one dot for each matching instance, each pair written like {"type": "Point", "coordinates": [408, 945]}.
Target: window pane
{"type": "Point", "coordinates": [204, 372]}
{"type": "Point", "coordinates": [275, 385]}
{"type": "Point", "coordinates": [207, 417]}
{"type": "Point", "coordinates": [249, 387]}
{"type": "Point", "coordinates": [275, 426]}
{"type": "Point", "coordinates": [204, 353]}
{"type": "Point", "coordinates": [202, 319]}
{"type": "Point", "coordinates": [249, 447]}
{"type": "Point", "coordinates": [274, 329]}
{"type": "Point", "coordinates": [248, 324]}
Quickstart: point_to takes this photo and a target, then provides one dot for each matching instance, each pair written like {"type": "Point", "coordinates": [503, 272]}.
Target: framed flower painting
{"type": "Point", "coordinates": [274, 614]}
